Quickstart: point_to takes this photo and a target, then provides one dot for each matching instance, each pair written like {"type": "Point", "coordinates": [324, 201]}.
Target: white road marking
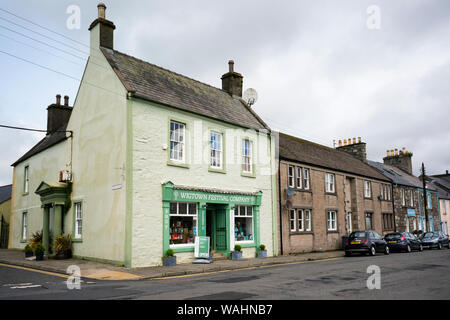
{"type": "Point", "coordinates": [26, 287]}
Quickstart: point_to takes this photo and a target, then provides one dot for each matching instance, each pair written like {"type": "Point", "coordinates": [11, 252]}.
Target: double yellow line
{"type": "Point", "coordinates": [35, 270]}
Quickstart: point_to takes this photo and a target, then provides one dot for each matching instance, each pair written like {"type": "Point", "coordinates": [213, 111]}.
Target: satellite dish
{"type": "Point", "coordinates": [250, 96]}
{"type": "Point", "coordinates": [289, 192]}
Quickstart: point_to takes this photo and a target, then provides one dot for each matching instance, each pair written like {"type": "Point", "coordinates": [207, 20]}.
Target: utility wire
{"type": "Point", "coordinates": [29, 129]}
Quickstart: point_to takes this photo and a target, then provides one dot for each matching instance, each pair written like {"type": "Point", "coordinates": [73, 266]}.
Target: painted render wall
{"type": "Point", "coordinates": [44, 166]}
{"type": "Point", "coordinates": [150, 123]}
{"type": "Point", "coordinates": [98, 121]}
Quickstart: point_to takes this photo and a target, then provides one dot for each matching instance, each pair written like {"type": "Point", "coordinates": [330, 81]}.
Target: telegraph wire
{"type": "Point", "coordinates": [29, 129]}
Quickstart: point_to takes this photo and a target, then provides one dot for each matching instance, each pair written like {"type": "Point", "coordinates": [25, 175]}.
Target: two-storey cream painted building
{"type": "Point", "coordinates": [147, 160]}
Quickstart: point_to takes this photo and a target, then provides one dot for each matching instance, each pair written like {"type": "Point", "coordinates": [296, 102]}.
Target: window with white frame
{"type": "Point", "coordinates": [24, 225]}
{"type": "Point", "coordinates": [247, 161]}
{"type": "Point", "coordinates": [411, 198]}
{"type": "Point", "coordinates": [78, 220]}
{"type": "Point", "coordinates": [183, 223]}
{"type": "Point", "coordinates": [300, 218]}
{"type": "Point", "coordinates": [331, 221]}
{"type": "Point", "coordinates": [26, 179]}
{"type": "Point", "coordinates": [367, 189]}
{"type": "Point", "coordinates": [385, 192]}
{"type": "Point", "coordinates": [298, 176]}
{"type": "Point", "coordinates": [292, 220]}
{"type": "Point", "coordinates": [329, 183]}
{"type": "Point", "coordinates": [306, 178]}
{"type": "Point", "coordinates": [243, 223]}
{"type": "Point", "coordinates": [307, 213]}
{"type": "Point", "coordinates": [216, 150]}
{"type": "Point", "coordinates": [402, 195]}
{"type": "Point", "coordinates": [177, 141]}
{"type": "Point", "coordinates": [429, 201]}
{"type": "Point", "coordinates": [369, 224]}
{"type": "Point", "coordinates": [291, 176]}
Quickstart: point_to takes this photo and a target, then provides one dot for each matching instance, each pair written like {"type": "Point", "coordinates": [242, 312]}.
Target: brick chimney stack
{"type": "Point", "coordinates": [57, 114]}
{"type": "Point", "coordinates": [102, 30]}
{"type": "Point", "coordinates": [401, 159]}
{"type": "Point", "coordinates": [232, 81]}
{"type": "Point", "coordinates": [356, 149]}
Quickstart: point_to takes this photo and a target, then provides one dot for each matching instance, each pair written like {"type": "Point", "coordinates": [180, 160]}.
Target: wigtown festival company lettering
{"type": "Point", "coordinates": [214, 197]}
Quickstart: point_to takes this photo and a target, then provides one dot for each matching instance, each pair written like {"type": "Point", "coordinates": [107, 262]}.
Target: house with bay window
{"type": "Point", "coordinates": [325, 194]}
{"type": "Point", "coordinates": [146, 160]}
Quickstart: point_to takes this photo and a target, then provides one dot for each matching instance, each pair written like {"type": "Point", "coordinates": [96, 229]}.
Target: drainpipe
{"type": "Point", "coordinates": [281, 209]}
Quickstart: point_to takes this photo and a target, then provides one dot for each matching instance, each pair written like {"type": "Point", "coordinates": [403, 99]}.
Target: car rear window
{"type": "Point", "coordinates": [358, 235]}
{"type": "Point", "coordinates": [393, 236]}
{"type": "Point", "coordinates": [431, 234]}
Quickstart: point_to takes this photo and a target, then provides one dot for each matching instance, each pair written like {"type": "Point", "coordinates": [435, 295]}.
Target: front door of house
{"type": "Point", "coordinates": [220, 230]}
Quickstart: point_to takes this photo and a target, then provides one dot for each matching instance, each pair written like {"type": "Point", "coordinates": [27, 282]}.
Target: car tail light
{"type": "Point", "coordinates": [346, 242]}
{"type": "Point", "coordinates": [366, 241]}
{"type": "Point", "coordinates": [403, 238]}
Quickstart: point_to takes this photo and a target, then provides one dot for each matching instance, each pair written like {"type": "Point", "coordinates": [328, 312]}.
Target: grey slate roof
{"type": "Point", "coordinates": [5, 193]}
{"type": "Point", "coordinates": [398, 176]}
{"type": "Point", "coordinates": [442, 185]}
{"type": "Point", "coordinates": [47, 142]}
{"type": "Point", "coordinates": [299, 150]}
{"type": "Point", "coordinates": [153, 83]}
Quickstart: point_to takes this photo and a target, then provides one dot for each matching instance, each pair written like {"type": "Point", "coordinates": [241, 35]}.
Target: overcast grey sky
{"type": "Point", "coordinates": [320, 72]}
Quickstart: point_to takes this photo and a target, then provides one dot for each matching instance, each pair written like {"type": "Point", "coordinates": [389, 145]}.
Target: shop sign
{"type": "Point", "coordinates": [212, 197]}
{"type": "Point", "coordinates": [201, 247]}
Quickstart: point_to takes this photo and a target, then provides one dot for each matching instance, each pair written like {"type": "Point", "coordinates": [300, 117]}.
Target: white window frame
{"type": "Point", "coordinates": [24, 225]}
{"type": "Point", "coordinates": [306, 178]}
{"type": "Point", "coordinates": [332, 220]}
{"type": "Point", "coordinates": [26, 179]}
{"type": "Point", "coordinates": [291, 181]}
{"type": "Point", "coordinates": [193, 216]}
{"type": "Point", "coordinates": [78, 220]}
{"type": "Point", "coordinates": [402, 195]}
{"type": "Point", "coordinates": [300, 220]}
{"type": "Point", "coordinates": [411, 197]}
{"type": "Point", "coordinates": [307, 223]}
{"type": "Point", "coordinates": [298, 177]}
{"type": "Point", "coordinates": [218, 150]}
{"type": "Point", "coordinates": [330, 186]}
{"type": "Point", "coordinates": [367, 189]}
{"type": "Point", "coordinates": [247, 156]}
{"type": "Point", "coordinates": [349, 222]}
{"type": "Point", "coordinates": [292, 220]}
{"type": "Point", "coordinates": [177, 136]}
{"type": "Point", "coordinates": [238, 214]}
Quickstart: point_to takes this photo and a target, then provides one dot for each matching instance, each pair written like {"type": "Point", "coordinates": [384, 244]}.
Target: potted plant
{"type": "Point", "coordinates": [169, 258]}
{"type": "Point", "coordinates": [63, 247]}
{"type": "Point", "coordinates": [237, 253]}
{"type": "Point", "coordinates": [28, 251]}
{"type": "Point", "coordinates": [39, 252]}
{"type": "Point", "coordinates": [262, 252]}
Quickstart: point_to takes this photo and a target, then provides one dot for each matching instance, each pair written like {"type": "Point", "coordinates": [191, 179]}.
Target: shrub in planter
{"type": "Point", "coordinates": [28, 251]}
{"type": "Point", "coordinates": [63, 247]}
{"type": "Point", "coordinates": [39, 252]}
{"type": "Point", "coordinates": [169, 258]}
{"type": "Point", "coordinates": [262, 252]}
{"type": "Point", "coordinates": [237, 253]}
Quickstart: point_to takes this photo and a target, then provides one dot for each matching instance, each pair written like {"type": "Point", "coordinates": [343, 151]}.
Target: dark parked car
{"type": "Point", "coordinates": [432, 240]}
{"type": "Point", "coordinates": [365, 242]}
{"type": "Point", "coordinates": [403, 241]}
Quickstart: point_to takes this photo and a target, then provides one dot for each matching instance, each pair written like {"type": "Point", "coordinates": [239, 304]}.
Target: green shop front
{"type": "Point", "coordinates": [227, 217]}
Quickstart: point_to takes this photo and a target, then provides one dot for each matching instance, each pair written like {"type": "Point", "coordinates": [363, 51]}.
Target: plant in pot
{"type": "Point", "coordinates": [63, 247]}
{"type": "Point", "coordinates": [28, 251]}
{"type": "Point", "coordinates": [169, 259]}
{"type": "Point", "coordinates": [39, 252]}
{"type": "Point", "coordinates": [262, 252]}
{"type": "Point", "coordinates": [237, 253]}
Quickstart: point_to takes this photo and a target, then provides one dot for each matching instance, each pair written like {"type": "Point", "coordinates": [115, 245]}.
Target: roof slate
{"type": "Point", "coordinates": [153, 83]}
{"type": "Point", "coordinates": [299, 150]}
{"type": "Point", "coordinates": [5, 193]}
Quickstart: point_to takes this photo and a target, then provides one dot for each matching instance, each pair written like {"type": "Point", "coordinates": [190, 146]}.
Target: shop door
{"type": "Point", "coordinates": [220, 232]}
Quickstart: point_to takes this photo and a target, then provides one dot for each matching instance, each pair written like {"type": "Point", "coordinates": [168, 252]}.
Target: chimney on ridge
{"type": "Point", "coordinates": [102, 30]}
{"type": "Point", "coordinates": [356, 149]}
{"type": "Point", "coordinates": [401, 160]}
{"type": "Point", "coordinates": [58, 115]}
{"type": "Point", "coordinates": [232, 81]}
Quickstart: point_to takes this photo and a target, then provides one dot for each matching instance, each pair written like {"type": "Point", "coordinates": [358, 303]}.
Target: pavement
{"type": "Point", "coordinates": [103, 271]}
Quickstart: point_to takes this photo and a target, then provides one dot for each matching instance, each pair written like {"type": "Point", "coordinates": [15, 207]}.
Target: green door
{"type": "Point", "coordinates": [220, 231]}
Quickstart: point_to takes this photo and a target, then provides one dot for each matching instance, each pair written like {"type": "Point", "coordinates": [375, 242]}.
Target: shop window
{"type": "Point", "coordinates": [243, 223]}
{"type": "Point", "coordinates": [183, 223]}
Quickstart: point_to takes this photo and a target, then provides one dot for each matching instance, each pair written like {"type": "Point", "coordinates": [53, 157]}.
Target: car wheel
{"type": "Point", "coordinates": [408, 248]}
{"type": "Point", "coordinates": [386, 250]}
{"type": "Point", "coordinates": [372, 251]}
{"type": "Point", "coordinates": [440, 246]}
{"type": "Point", "coordinates": [348, 253]}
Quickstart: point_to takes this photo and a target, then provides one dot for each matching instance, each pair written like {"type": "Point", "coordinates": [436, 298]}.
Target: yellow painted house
{"type": "Point", "coordinates": [147, 160]}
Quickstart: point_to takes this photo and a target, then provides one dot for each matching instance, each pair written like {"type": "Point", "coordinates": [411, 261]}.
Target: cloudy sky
{"type": "Point", "coordinates": [322, 70]}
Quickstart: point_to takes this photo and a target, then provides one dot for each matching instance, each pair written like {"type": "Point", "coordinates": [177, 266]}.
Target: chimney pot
{"type": "Point", "coordinates": [354, 140]}
{"type": "Point", "coordinates": [345, 142]}
{"type": "Point", "coordinates": [359, 139]}
{"type": "Point", "coordinates": [58, 99]}
{"type": "Point", "coordinates": [66, 100]}
{"type": "Point", "coordinates": [231, 66]}
{"type": "Point", "coordinates": [396, 152]}
{"type": "Point", "coordinates": [387, 153]}
{"type": "Point", "coordinates": [349, 141]}
{"type": "Point", "coordinates": [101, 10]}
{"type": "Point", "coordinates": [340, 143]}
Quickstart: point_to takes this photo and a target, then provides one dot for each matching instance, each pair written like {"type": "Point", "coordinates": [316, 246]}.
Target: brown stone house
{"type": "Point", "coordinates": [408, 194]}
{"type": "Point", "coordinates": [324, 194]}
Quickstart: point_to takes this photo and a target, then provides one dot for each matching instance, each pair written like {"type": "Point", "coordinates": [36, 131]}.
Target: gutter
{"type": "Point", "coordinates": [394, 185]}
{"type": "Point", "coordinates": [281, 210]}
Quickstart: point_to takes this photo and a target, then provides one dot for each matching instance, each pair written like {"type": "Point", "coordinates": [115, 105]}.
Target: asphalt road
{"type": "Point", "coordinates": [418, 275]}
